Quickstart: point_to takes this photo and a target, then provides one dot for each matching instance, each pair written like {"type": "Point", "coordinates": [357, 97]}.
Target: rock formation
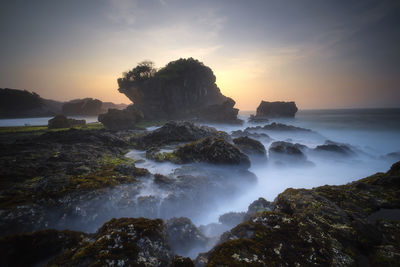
{"type": "Point", "coordinates": [86, 106]}
{"type": "Point", "coordinates": [60, 121]}
{"type": "Point", "coordinates": [275, 109]}
{"type": "Point", "coordinates": [125, 119]}
{"type": "Point", "coordinates": [183, 89]}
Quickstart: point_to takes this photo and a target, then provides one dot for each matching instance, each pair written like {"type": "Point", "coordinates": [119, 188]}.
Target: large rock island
{"type": "Point", "coordinates": [183, 89]}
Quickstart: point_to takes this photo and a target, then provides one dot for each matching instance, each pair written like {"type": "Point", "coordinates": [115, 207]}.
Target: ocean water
{"type": "Point", "coordinates": [373, 133]}
{"type": "Point", "coordinates": [40, 121]}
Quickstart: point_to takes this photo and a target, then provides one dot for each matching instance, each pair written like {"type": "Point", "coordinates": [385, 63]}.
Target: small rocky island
{"type": "Point", "coordinates": [183, 89]}
{"type": "Point", "coordinates": [267, 110]}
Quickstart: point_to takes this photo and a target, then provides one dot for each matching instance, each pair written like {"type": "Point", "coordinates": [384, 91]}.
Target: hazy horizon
{"type": "Point", "coordinates": [322, 55]}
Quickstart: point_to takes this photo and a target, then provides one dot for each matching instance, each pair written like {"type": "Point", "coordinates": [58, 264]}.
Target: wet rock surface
{"type": "Point", "coordinates": [326, 225]}
{"type": "Point", "coordinates": [250, 146]}
{"type": "Point", "coordinates": [58, 178]}
{"type": "Point", "coordinates": [121, 242]}
{"type": "Point", "coordinates": [214, 151]}
{"type": "Point", "coordinates": [174, 132]}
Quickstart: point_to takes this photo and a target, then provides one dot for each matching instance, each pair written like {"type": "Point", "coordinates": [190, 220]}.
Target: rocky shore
{"type": "Point", "coordinates": [73, 197]}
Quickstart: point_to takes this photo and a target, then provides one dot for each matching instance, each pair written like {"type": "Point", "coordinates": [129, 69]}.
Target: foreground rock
{"type": "Point", "coordinates": [125, 119]}
{"type": "Point", "coordinates": [60, 121]}
{"type": "Point", "coordinates": [275, 109]}
{"type": "Point", "coordinates": [214, 151]}
{"type": "Point", "coordinates": [183, 89]}
{"type": "Point", "coordinates": [328, 225]}
{"type": "Point", "coordinates": [122, 242]}
{"type": "Point", "coordinates": [64, 179]}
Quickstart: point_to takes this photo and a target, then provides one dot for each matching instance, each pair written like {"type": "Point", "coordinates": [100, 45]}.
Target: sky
{"type": "Point", "coordinates": [320, 54]}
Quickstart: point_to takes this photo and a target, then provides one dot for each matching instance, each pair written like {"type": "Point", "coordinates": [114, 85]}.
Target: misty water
{"type": "Point", "coordinates": [372, 134]}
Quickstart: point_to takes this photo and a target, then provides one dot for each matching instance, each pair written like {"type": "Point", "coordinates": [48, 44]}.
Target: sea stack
{"type": "Point", "coordinates": [275, 109]}
{"type": "Point", "coordinates": [183, 89]}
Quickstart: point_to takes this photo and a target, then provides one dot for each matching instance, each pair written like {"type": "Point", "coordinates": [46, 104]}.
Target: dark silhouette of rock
{"type": "Point", "coordinates": [60, 121]}
{"type": "Point", "coordinates": [180, 90]}
{"type": "Point", "coordinates": [275, 109]}
{"type": "Point", "coordinates": [125, 119]}
{"type": "Point", "coordinates": [32, 248]}
{"type": "Point", "coordinates": [179, 261]}
{"type": "Point", "coordinates": [250, 146]}
{"type": "Point", "coordinates": [86, 106]}
{"type": "Point", "coordinates": [212, 150]}
{"type": "Point", "coordinates": [16, 103]}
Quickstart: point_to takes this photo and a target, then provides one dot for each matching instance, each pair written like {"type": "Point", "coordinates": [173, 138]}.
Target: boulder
{"type": "Point", "coordinates": [180, 90]}
{"type": "Point", "coordinates": [284, 152]}
{"type": "Point", "coordinates": [175, 132]}
{"type": "Point", "coordinates": [214, 151]}
{"type": "Point", "coordinates": [276, 109]}
{"type": "Point", "coordinates": [125, 119]}
{"type": "Point", "coordinates": [60, 121]}
{"type": "Point", "coordinates": [250, 146]}
{"type": "Point", "coordinates": [183, 236]}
